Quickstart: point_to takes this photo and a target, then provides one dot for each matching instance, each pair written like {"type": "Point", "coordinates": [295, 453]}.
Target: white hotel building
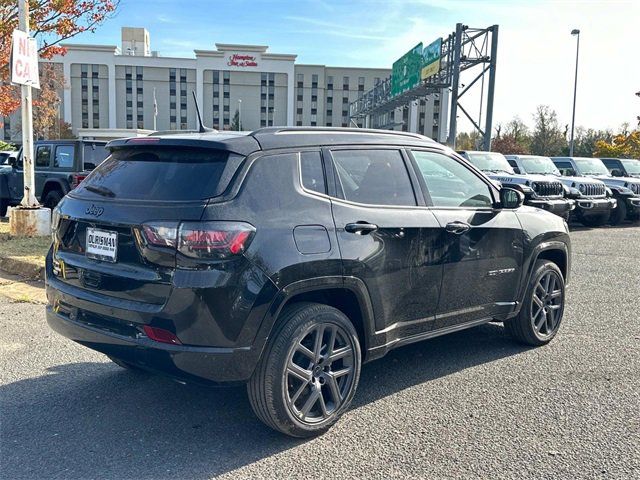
{"type": "Point", "coordinates": [107, 87]}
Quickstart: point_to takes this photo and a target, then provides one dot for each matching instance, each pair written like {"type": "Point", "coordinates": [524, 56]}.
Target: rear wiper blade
{"type": "Point", "coordinates": [104, 191]}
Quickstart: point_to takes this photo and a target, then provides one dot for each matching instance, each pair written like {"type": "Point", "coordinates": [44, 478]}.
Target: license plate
{"type": "Point", "coordinates": [101, 244]}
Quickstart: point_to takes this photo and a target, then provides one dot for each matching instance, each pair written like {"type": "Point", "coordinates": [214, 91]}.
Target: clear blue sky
{"type": "Point", "coordinates": [535, 57]}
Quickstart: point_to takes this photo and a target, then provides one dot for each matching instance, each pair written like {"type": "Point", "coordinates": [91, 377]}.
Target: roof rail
{"type": "Point", "coordinates": [372, 131]}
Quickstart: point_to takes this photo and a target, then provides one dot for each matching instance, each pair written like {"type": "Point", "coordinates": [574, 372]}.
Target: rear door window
{"type": "Point", "coordinates": [93, 155]}
{"type": "Point", "coordinates": [63, 157]}
{"type": "Point", "coordinates": [43, 156]}
{"type": "Point", "coordinates": [373, 177]}
{"type": "Point", "coordinates": [178, 174]}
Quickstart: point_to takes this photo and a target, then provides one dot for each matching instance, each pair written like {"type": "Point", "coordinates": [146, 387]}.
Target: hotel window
{"type": "Point", "coordinates": [329, 83]}
{"type": "Point", "coordinates": [314, 81]}
{"type": "Point", "coordinates": [376, 80]}
{"type": "Point", "coordinates": [94, 71]}
{"type": "Point", "coordinates": [263, 79]}
{"type": "Point", "coordinates": [300, 80]}
{"type": "Point", "coordinates": [84, 68]}
{"type": "Point", "coordinates": [226, 77]}
{"type": "Point", "coordinates": [299, 98]}
{"type": "Point", "coordinates": [183, 75]}
{"type": "Point", "coordinates": [345, 100]}
{"type": "Point", "coordinates": [345, 83]}
{"type": "Point", "coordinates": [272, 78]}
{"type": "Point", "coordinates": [361, 84]}
{"type": "Point", "coordinates": [330, 100]}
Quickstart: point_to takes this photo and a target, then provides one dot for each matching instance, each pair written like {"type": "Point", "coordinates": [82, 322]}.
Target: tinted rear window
{"type": "Point", "coordinates": [157, 174]}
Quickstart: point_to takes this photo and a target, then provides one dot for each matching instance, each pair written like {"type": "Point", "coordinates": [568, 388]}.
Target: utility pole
{"type": "Point", "coordinates": [29, 219]}
{"type": "Point", "coordinates": [29, 198]}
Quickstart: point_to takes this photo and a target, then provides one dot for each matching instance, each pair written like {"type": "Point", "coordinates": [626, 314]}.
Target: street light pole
{"type": "Point", "coordinates": [575, 32]}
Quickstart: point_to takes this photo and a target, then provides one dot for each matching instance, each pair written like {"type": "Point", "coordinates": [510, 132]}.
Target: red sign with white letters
{"type": "Point", "coordinates": [242, 60]}
{"type": "Point", "coordinates": [24, 60]}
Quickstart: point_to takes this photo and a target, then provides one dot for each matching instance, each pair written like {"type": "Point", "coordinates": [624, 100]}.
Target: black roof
{"type": "Point", "coordinates": [245, 143]}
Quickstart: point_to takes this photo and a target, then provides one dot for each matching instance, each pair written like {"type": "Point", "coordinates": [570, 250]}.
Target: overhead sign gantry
{"type": "Point", "coordinates": [427, 70]}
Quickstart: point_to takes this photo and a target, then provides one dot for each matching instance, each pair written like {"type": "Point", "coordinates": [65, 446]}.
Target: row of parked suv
{"type": "Point", "coordinates": [593, 191]}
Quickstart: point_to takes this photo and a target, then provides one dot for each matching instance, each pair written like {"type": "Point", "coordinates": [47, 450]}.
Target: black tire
{"type": "Point", "coordinates": [594, 220]}
{"type": "Point", "coordinates": [126, 365]}
{"type": "Point", "coordinates": [618, 214]}
{"type": "Point", "coordinates": [4, 205]}
{"type": "Point", "coordinates": [539, 319]}
{"type": "Point", "coordinates": [52, 199]}
{"type": "Point", "coordinates": [289, 380]}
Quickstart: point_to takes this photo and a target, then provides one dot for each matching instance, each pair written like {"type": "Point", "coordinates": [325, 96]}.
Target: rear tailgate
{"type": "Point", "coordinates": [100, 244]}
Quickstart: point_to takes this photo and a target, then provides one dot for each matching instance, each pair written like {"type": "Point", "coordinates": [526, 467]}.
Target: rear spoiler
{"type": "Point", "coordinates": [242, 144]}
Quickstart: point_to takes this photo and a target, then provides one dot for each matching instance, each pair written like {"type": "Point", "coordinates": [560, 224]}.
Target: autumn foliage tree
{"type": "Point", "coordinates": [623, 145]}
{"type": "Point", "coordinates": [51, 22]}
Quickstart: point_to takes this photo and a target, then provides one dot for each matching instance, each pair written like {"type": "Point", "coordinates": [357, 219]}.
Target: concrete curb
{"type": "Point", "coordinates": [16, 266]}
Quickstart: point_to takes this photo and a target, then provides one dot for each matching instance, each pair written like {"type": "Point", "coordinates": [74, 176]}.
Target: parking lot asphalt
{"type": "Point", "coordinates": [468, 405]}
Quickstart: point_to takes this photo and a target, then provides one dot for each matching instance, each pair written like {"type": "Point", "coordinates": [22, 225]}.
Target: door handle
{"type": "Point", "coordinates": [457, 227]}
{"type": "Point", "coordinates": [360, 228]}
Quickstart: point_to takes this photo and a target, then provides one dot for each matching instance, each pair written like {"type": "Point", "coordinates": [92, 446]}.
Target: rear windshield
{"type": "Point", "coordinates": [157, 174]}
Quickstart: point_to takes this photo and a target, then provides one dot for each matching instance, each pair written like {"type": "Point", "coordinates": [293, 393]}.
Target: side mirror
{"type": "Point", "coordinates": [13, 161]}
{"type": "Point", "coordinates": [615, 172]}
{"type": "Point", "coordinates": [510, 198]}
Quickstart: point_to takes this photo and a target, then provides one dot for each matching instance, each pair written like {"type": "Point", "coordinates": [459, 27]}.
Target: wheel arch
{"type": "Point", "coordinates": [54, 184]}
{"type": "Point", "coordinates": [349, 295]}
{"type": "Point", "coordinates": [555, 251]}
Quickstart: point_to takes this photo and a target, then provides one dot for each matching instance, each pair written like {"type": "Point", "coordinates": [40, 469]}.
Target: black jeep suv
{"type": "Point", "coordinates": [287, 257]}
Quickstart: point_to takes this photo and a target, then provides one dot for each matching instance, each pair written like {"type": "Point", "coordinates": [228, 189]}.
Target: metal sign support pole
{"type": "Point", "coordinates": [455, 83]}
{"type": "Point", "coordinates": [29, 198]}
{"type": "Point", "coordinates": [492, 86]}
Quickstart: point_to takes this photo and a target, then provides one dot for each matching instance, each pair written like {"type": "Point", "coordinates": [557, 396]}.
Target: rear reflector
{"type": "Point", "coordinates": [161, 335]}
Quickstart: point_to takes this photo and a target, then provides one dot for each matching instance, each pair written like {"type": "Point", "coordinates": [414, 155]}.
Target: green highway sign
{"type": "Point", "coordinates": [405, 73]}
{"type": "Point", "coordinates": [431, 59]}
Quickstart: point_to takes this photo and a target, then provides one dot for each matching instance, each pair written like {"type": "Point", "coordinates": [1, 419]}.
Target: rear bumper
{"type": "Point", "coordinates": [188, 363]}
{"type": "Point", "coordinates": [219, 344]}
{"type": "Point", "coordinates": [597, 206]}
{"type": "Point", "coordinates": [559, 206]}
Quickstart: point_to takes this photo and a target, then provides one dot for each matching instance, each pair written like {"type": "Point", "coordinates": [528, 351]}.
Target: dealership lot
{"type": "Point", "coordinates": [471, 404]}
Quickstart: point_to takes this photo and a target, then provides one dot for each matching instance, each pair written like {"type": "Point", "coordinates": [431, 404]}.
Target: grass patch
{"type": "Point", "coordinates": [30, 250]}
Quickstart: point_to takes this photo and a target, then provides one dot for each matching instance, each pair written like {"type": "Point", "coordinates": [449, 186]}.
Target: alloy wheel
{"type": "Point", "coordinates": [547, 304]}
{"type": "Point", "coordinates": [319, 373]}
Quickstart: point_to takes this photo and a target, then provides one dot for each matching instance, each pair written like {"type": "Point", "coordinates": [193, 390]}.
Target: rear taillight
{"type": "Point", "coordinates": [161, 234]}
{"type": "Point", "coordinates": [213, 240]}
{"type": "Point", "coordinates": [76, 178]}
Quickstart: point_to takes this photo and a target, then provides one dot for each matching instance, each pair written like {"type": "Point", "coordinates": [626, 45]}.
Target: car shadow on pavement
{"type": "Point", "coordinates": [97, 420]}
